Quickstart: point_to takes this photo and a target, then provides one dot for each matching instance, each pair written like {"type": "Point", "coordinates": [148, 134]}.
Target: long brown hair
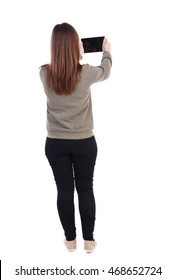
{"type": "Point", "coordinates": [64, 69]}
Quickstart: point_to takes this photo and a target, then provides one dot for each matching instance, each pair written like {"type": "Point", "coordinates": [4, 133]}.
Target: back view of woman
{"type": "Point", "coordinates": [71, 147]}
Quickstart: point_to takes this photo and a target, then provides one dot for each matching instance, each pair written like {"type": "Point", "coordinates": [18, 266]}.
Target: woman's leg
{"type": "Point", "coordinates": [84, 159]}
{"type": "Point", "coordinates": [61, 164]}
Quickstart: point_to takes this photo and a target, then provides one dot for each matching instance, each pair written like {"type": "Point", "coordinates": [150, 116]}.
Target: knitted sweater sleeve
{"type": "Point", "coordinates": [101, 72]}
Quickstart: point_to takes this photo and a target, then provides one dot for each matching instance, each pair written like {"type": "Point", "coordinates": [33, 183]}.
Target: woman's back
{"type": "Point", "coordinates": [70, 116]}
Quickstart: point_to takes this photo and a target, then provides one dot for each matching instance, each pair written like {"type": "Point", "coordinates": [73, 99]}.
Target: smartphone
{"type": "Point", "coordinates": [93, 44]}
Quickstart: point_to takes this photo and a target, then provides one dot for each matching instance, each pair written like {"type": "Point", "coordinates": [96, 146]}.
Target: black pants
{"type": "Point", "coordinates": [72, 163]}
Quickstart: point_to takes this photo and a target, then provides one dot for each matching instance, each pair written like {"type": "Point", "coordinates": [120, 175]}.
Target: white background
{"type": "Point", "coordinates": [134, 116]}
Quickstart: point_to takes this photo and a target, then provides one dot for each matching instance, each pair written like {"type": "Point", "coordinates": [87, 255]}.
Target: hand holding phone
{"type": "Point", "coordinates": [96, 44]}
{"type": "Point", "coordinates": [106, 45]}
{"type": "Point", "coordinates": [93, 44]}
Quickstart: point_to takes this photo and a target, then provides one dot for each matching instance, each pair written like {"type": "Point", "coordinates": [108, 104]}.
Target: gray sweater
{"type": "Point", "coordinates": [71, 117]}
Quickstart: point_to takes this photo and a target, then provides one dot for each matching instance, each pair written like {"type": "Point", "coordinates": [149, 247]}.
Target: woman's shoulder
{"type": "Point", "coordinates": [87, 67]}
{"type": "Point", "coordinates": [42, 71]}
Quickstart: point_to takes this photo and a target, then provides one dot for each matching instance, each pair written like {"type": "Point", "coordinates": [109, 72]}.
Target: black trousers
{"type": "Point", "coordinates": [72, 163]}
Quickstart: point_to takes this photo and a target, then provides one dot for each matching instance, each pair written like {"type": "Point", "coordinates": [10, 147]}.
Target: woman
{"type": "Point", "coordinates": [70, 145]}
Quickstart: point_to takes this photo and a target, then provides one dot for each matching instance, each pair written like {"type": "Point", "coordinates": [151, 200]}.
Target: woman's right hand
{"type": "Point", "coordinates": [106, 45]}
